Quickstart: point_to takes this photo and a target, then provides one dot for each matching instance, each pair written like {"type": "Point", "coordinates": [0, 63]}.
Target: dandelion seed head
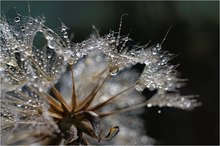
{"type": "Point", "coordinates": [54, 91]}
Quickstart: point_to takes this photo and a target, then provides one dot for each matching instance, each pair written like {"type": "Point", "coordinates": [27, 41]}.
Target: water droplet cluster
{"type": "Point", "coordinates": [21, 61]}
{"type": "Point", "coordinates": [173, 100]}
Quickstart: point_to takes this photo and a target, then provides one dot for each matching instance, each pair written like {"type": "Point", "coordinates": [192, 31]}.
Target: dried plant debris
{"type": "Point", "coordinates": [98, 100]}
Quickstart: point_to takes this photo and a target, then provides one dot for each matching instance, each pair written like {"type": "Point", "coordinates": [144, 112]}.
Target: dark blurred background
{"type": "Point", "coordinates": [194, 36]}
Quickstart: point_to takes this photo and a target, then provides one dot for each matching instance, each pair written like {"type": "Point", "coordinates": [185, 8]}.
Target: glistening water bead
{"type": "Point", "coordinates": [17, 19]}
{"type": "Point", "coordinates": [114, 72]}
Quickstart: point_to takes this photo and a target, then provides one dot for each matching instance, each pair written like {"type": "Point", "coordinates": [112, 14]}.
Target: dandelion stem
{"type": "Point", "coordinates": [74, 97]}
{"type": "Point", "coordinates": [101, 73]}
{"type": "Point", "coordinates": [85, 104]}
{"type": "Point", "coordinates": [60, 98]}
{"type": "Point", "coordinates": [54, 104]}
{"type": "Point", "coordinates": [54, 115]}
{"type": "Point", "coordinates": [100, 105]}
{"type": "Point", "coordinates": [101, 115]}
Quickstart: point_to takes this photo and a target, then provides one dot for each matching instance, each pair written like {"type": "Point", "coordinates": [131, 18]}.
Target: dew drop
{"type": "Point", "coordinates": [22, 28]}
{"type": "Point", "coordinates": [17, 19]}
{"type": "Point", "coordinates": [158, 47]}
{"type": "Point", "coordinates": [34, 106]}
{"type": "Point", "coordinates": [30, 22]}
{"type": "Point", "coordinates": [19, 105]}
{"type": "Point", "coordinates": [49, 37]}
{"type": "Point", "coordinates": [149, 105]}
{"type": "Point", "coordinates": [154, 53]}
{"type": "Point", "coordinates": [159, 111]}
{"type": "Point", "coordinates": [63, 28]}
{"type": "Point", "coordinates": [51, 44]}
{"type": "Point", "coordinates": [188, 105]}
{"type": "Point", "coordinates": [65, 35]}
{"type": "Point", "coordinates": [139, 87]}
{"type": "Point", "coordinates": [49, 56]}
{"type": "Point", "coordinates": [78, 54]}
{"type": "Point", "coordinates": [22, 59]}
{"type": "Point", "coordinates": [114, 72]}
